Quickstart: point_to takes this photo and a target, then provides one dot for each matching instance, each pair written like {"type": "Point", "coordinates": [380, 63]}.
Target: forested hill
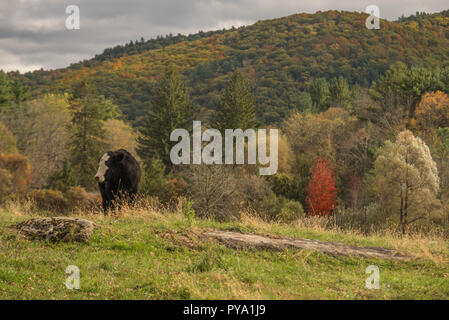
{"type": "Point", "coordinates": [280, 56]}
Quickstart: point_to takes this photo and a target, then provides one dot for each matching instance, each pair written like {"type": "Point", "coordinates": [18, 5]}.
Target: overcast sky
{"type": "Point", "coordinates": [33, 33]}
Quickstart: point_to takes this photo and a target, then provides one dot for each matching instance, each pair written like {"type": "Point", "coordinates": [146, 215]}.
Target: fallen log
{"type": "Point", "coordinates": [241, 240]}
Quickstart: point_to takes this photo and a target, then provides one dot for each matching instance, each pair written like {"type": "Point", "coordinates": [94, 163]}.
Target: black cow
{"type": "Point", "coordinates": [118, 177]}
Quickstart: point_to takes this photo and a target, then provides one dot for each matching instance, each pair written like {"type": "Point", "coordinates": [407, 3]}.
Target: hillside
{"type": "Point", "coordinates": [153, 254]}
{"type": "Point", "coordinates": [281, 56]}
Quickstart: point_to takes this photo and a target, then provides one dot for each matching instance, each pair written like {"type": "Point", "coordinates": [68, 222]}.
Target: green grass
{"type": "Point", "coordinates": [156, 256]}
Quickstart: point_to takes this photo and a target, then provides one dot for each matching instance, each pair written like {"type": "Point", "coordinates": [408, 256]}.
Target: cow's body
{"type": "Point", "coordinates": [118, 177]}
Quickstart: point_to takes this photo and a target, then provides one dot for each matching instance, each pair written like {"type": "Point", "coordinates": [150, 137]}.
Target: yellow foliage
{"type": "Point", "coordinates": [120, 135]}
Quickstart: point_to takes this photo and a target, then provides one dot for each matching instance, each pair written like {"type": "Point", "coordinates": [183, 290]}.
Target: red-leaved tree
{"type": "Point", "coordinates": [321, 191]}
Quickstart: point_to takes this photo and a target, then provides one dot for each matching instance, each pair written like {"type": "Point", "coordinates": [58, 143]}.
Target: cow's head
{"type": "Point", "coordinates": [107, 162]}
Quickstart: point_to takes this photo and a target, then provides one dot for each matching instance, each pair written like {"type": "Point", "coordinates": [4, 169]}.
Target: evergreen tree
{"type": "Point", "coordinates": [339, 94]}
{"type": "Point", "coordinates": [319, 93]}
{"type": "Point", "coordinates": [6, 95]}
{"type": "Point", "coordinates": [171, 109]}
{"type": "Point", "coordinates": [237, 108]}
{"type": "Point", "coordinates": [87, 140]}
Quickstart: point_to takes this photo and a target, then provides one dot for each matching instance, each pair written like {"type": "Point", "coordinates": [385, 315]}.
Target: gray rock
{"type": "Point", "coordinates": [57, 229]}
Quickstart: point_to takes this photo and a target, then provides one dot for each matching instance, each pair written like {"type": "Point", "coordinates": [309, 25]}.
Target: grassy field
{"type": "Point", "coordinates": [151, 254]}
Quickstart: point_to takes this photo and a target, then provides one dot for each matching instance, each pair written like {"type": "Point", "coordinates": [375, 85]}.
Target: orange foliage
{"type": "Point", "coordinates": [433, 110]}
{"type": "Point", "coordinates": [20, 169]}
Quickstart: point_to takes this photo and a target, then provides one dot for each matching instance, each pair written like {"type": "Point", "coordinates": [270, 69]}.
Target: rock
{"type": "Point", "coordinates": [240, 240]}
{"type": "Point", "coordinates": [57, 229]}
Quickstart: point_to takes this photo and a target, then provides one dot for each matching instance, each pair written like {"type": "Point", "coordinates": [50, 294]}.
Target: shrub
{"type": "Point", "coordinates": [291, 211]}
{"type": "Point", "coordinates": [47, 199]}
{"type": "Point", "coordinates": [5, 184]}
{"type": "Point", "coordinates": [20, 170]}
{"type": "Point", "coordinates": [215, 191]}
{"type": "Point", "coordinates": [62, 179]}
{"type": "Point", "coordinates": [8, 141]}
{"type": "Point", "coordinates": [78, 197]}
{"type": "Point", "coordinates": [155, 182]}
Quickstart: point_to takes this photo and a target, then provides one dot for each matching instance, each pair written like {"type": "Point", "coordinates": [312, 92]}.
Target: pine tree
{"type": "Point", "coordinates": [339, 93]}
{"type": "Point", "coordinates": [87, 139]}
{"type": "Point", "coordinates": [171, 109]}
{"type": "Point", "coordinates": [319, 93]}
{"type": "Point", "coordinates": [237, 108]}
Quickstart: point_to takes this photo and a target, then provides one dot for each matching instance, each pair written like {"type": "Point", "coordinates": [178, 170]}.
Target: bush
{"type": "Point", "coordinates": [291, 211]}
{"type": "Point", "coordinates": [78, 197]}
{"type": "Point", "coordinates": [8, 141]}
{"type": "Point", "coordinates": [62, 179]}
{"type": "Point", "coordinates": [47, 199]}
{"type": "Point", "coordinates": [5, 184]}
{"type": "Point", "coordinates": [20, 170]}
{"type": "Point", "coordinates": [155, 182]}
{"type": "Point", "coordinates": [215, 191]}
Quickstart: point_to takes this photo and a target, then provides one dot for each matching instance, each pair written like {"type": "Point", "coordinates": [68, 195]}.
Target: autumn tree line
{"type": "Point", "coordinates": [364, 158]}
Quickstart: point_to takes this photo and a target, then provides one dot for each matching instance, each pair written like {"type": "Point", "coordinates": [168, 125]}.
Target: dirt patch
{"type": "Point", "coordinates": [240, 240]}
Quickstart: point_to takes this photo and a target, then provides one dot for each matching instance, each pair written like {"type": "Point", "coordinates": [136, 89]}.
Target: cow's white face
{"type": "Point", "coordinates": [102, 168]}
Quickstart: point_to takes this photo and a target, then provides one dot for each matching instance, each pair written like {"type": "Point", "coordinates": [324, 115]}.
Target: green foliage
{"type": "Point", "coordinates": [189, 211]}
{"type": "Point", "coordinates": [319, 93]}
{"type": "Point", "coordinates": [291, 211]}
{"type": "Point", "coordinates": [171, 109]}
{"type": "Point", "coordinates": [7, 140]}
{"type": "Point", "coordinates": [6, 95]}
{"type": "Point", "coordinates": [63, 179]}
{"type": "Point", "coordinates": [157, 182]}
{"type": "Point", "coordinates": [6, 179]}
{"type": "Point", "coordinates": [237, 107]}
{"type": "Point", "coordinates": [111, 110]}
{"type": "Point", "coordinates": [303, 102]}
{"type": "Point", "coordinates": [87, 139]}
{"type": "Point", "coordinates": [339, 94]}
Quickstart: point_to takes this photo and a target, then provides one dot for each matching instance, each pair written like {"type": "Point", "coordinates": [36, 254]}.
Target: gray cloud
{"type": "Point", "coordinates": [33, 33]}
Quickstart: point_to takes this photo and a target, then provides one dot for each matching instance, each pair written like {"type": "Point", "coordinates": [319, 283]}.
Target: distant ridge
{"type": "Point", "coordinates": [280, 56]}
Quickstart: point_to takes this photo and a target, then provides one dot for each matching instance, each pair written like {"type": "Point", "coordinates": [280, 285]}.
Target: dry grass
{"type": "Point", "coordinates": [150, 251]}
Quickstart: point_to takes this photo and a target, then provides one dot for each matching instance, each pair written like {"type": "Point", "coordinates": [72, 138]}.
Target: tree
{"type": "Point", "coordinates": [110, 110]}
{"type": "Point", "coordinates": [47, 142]}
{"type": "Point", "coordinates": [319, 93]}
{"type": "Point", "coordinates": [339, 93]}
{"type": "Point", "coordinates": [19, 169]}
{"type": "Point", "coordinates": [237, 108]}
{"type": "Point", "coordinates": [63, 179]}
{"type": "Point", "coordinates": [403, 87]}
{"type": "Point", "coordinates": [440, 152]}
{"type": "Point", "coordinates": [406, 178]}
{"type": "Point", "coordinates": [323, 135]}
{"type": "Point", "coordinates": [87, 133]}
{"type": "Point", "coordinates": [7, 140]}
{"type": "Point", "coordinates": [120, 135]}
{"type": "Point", "coordinates": [6, 95]}
{"type": "Point", "coordinates": [171, 109]}
{"type": "Point", "coordinates": [432, 111]}
{"type": "Point", "coordinates": [321, 191]}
